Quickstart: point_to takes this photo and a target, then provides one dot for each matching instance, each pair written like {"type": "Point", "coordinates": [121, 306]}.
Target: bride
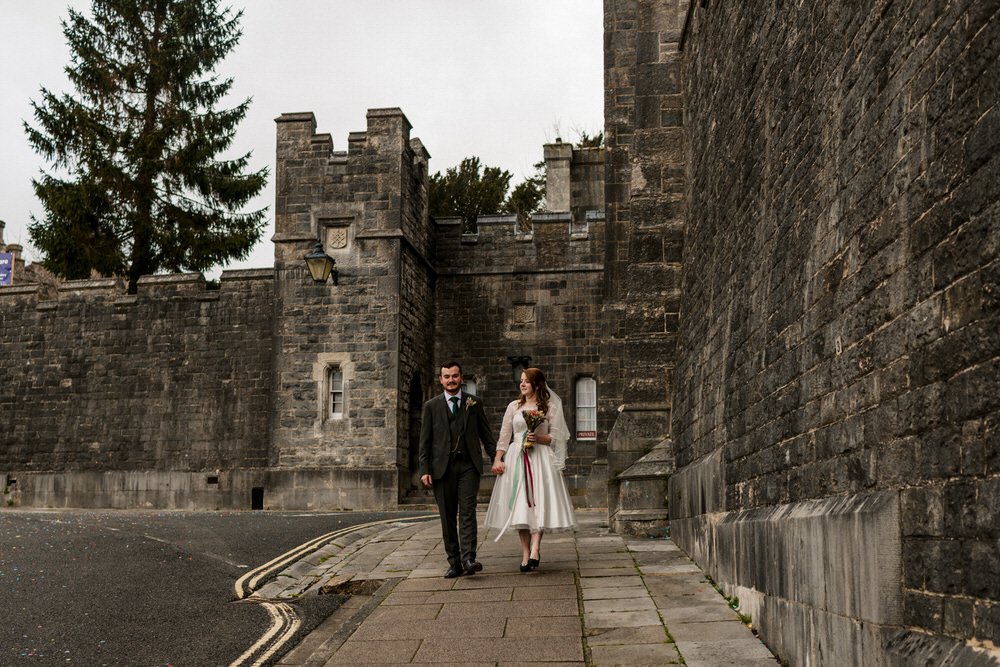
{"type": "Point", "coordinates": [530, 494]}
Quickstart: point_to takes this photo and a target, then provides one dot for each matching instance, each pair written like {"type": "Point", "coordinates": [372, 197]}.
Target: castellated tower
{"type": "Point", "coordinates": [343, 352]}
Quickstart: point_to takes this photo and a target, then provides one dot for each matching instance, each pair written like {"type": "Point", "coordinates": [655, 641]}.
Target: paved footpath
{"type": "Point", "coordinates": [596, 599]}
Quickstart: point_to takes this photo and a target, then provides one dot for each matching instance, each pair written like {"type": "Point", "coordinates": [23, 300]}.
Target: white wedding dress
{"type": "Point", "coordinates": [531, 493]}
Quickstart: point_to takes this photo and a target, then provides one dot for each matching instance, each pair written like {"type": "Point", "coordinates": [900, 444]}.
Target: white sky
{"type": "Point", "coordinates": [493, 78]}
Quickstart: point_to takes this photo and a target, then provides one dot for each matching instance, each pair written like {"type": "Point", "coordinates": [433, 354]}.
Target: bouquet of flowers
{"type": "Point", "coordinates": [534, 419]}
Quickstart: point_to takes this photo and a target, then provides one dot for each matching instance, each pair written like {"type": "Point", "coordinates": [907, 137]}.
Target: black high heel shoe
{"type": "Point", "coordinates": [533, 562]}
{"type": "Point", "coordinates": [526, 568]}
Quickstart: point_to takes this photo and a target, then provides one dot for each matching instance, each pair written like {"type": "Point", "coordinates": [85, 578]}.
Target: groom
{"type": "Point", "coordinates": [453, 433]}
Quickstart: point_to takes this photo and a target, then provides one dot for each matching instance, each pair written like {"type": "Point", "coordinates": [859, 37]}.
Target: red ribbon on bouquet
{"type": "Point", "coordinates": [529, 487]}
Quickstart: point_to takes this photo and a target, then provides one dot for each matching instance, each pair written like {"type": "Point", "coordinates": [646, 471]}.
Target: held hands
{"type": "Point", "coordinates": [498, 467]}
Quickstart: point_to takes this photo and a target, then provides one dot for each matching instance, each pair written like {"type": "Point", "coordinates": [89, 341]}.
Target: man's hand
{"type": "Point", "coordinates": [498, 467]}
{"type": "Point", "coordinates": [426, 479]}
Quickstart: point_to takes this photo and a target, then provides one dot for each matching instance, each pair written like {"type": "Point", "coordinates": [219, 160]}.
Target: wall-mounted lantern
{"type": "Point", "coordinates": [321, 266]}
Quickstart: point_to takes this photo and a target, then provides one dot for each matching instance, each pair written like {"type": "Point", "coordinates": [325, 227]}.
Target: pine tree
{"type": "Point", "coordinates": [468, 191]}
{"type": "Point", "coordinates": [527, 197]}
{"type": "Point", "coordinates": [139, 188]}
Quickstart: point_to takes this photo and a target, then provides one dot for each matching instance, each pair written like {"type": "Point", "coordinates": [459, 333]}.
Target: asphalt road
{"type": "Point", "coordinates": [139, 587]}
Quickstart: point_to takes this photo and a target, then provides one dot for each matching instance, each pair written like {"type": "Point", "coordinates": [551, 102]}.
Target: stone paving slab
{"type": "Point", "coordinates": [622, 619]}
{"type": "Point", "coordinates": [407, 613]}
{"type": "Point", "coordinates": [719, 653]}
{"type": "Point", "coordinates": [606, 560]}
{"type": "Point", "coordinates": [690, 568]}
{"type": "Point", "coordinates": [524, 649]}
{"type": "Point", "coordinates": [355, 652]}
{"type": "Point", "coordinates": [537, 578]}
{"type": "Point", "coordinates": [649, 634]}
{"type": "Point", "coordinates": [607, 571]}
{"type": "Point", "coordinates": [514, 609]}
{"type": "Point", "coordinates": [680, 585]}
{"type": "Point", "coordinates": [709, 630]}
{"type": "Point", "coordinates": [635, 654]}
{"type": "Point", "coordinates": [438, 584]}
{"type": "Point", "coordinates": [695, 613]}
{"type": "Point", "coordinates": [644, 603]}
{"type": "Point", "coordinates": [545, 592]}
{"type": "Point", "coordinates": [503, 593]}
{"type": "Point", "coordinates": [706, 596]}
{"type": "Point", "coordinates": [597, 597]}
{"type": "Point", "coordinates": [392, 629]}
{"type": "Point", "coordinates": [557, 626]}
{"type": "Point", "coordinates": [611, 582]}
{"type": "Point", "coordinates": [647, 545]}
{"type": "Point", "coordinates": [408, 597]}
{"type": "Point", "coordinates": [613, 593]}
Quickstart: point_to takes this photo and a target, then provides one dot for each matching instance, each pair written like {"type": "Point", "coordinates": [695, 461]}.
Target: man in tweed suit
{"type": "Point", "coordinates": [453, 433]}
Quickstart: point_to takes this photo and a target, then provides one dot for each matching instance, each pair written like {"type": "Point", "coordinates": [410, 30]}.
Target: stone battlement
{"type": "Point", "coordinates": [156, 286]}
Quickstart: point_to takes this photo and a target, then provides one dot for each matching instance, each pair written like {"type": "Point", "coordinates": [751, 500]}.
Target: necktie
{"type": "Point", "coordinates": [454, 405]}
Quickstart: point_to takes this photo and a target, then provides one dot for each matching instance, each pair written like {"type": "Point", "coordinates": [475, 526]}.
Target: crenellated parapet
{"type": "Point", "coordinates": [568, 235]}
{"type": "Point", "coordinates": [338, 196]}
{"type": "Point", "coordinates": [554, 242]}
{"type": "Point", "coordinates": [153, 287]}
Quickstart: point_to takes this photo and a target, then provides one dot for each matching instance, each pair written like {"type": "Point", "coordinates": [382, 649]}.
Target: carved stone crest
{"type": "Point", "coordinates": [336, 238]}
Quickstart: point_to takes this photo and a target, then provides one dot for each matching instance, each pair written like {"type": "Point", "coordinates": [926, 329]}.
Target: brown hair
{"type": "Point", "coordinates": [537, 381]}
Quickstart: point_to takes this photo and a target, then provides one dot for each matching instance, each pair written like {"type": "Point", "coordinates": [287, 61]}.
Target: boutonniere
{"type": "Point", "coordinates": [469, 403]}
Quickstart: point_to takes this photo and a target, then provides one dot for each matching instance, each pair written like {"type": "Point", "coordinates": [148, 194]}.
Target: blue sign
{"type": "Point", "coordinates": [6, 268]}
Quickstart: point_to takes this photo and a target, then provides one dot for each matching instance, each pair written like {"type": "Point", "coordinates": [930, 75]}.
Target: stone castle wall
{"type": "Point", "coordinates": [645, 228]}
{"type": "Point", "coordinates": [163, 394]}
{"type": "Point", "coordinates": [504, 293]}
{"type": "Point", "coordinates": [836, 403]}
{"type": "Point", "coordinates": [507, 292]}
{"type": "Point", "coordinates": [174, 378]}
{"type": "Point", "coordinates": [368, 207]}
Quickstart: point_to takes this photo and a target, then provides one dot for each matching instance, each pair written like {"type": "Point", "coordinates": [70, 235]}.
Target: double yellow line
{"type": "Point", "coordinates": [284, 624]}
{"type": "Point", "coordinates": [284, 621]}
{"type": "Point", "coordinates": [247, 584]}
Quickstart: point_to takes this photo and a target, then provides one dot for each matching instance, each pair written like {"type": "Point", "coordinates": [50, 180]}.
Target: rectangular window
{"type": "Point", "coordinates": [335, 380]}
{"type": "Point", "coordinates": [586, 409]}
{"type": "Point", "coordinates": [469, 387]}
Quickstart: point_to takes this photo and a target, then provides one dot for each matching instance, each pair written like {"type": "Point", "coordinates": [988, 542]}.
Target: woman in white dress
{"type": "Point", "coordinates": [530, 493]}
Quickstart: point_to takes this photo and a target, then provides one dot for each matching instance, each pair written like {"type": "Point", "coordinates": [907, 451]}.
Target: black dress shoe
{"type": "Point", "coordinates": [452, 573]}
{"type": "Point", "coordinates": [472, 566]}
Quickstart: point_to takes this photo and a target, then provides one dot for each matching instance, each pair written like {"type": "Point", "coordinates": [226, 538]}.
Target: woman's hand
{"type": "Point", "coordinates": [498, 466]}
{"type": "Point", "coordinates": [539, 439]}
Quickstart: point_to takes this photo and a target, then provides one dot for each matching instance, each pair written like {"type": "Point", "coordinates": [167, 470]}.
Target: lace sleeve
{"type": "Point", "coordinates": [507, 427]}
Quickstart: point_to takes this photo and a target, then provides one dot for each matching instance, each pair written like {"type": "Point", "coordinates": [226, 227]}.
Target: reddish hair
{"type": "Point", "coordinates": [536, 379]}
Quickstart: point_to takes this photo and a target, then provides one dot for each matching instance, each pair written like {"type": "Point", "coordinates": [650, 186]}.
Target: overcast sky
{"type": "Point", "coordinates": [493, 78]}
